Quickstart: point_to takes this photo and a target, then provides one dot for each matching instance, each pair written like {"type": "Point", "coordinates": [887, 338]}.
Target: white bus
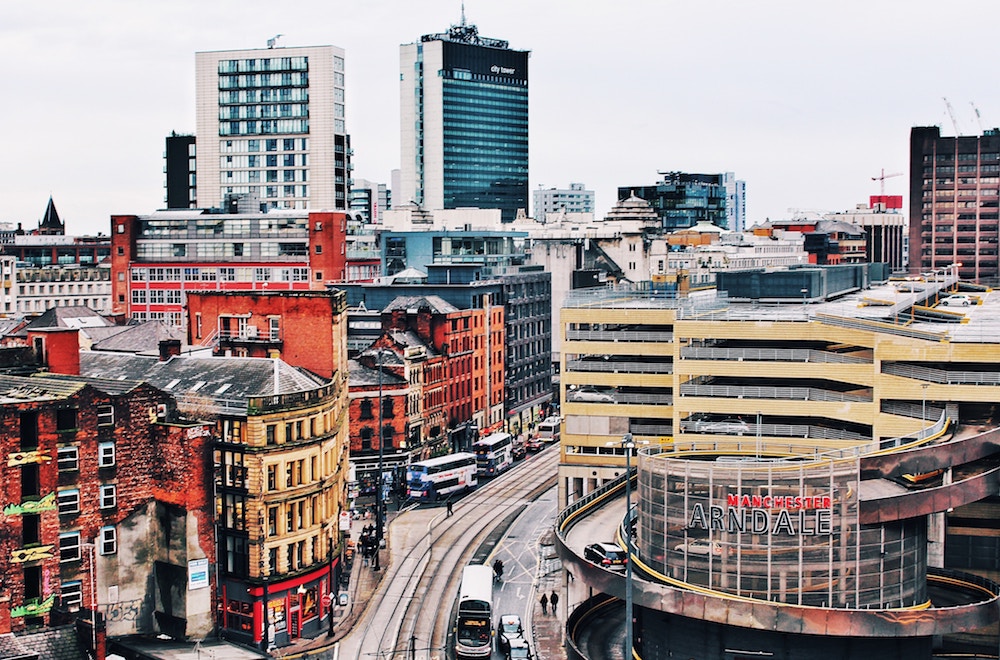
{"type": "Point", "coordinates": [474, 628]}
{"type": "Point", "coordinates": [494, 453]}
{"type": "Point", "coordinates": [548, 429]}
{"type": "Point", "coordinates": [442, 476]}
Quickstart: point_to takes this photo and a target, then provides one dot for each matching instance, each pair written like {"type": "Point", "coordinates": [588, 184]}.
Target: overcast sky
{"type": "Point", "coordinates": [805, 100]}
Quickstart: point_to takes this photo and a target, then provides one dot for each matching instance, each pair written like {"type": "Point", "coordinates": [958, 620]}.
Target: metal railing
{"type": "Point", "coordinates": [908, 409]}
{"type": "Point", "coordinates": [880, 326]}
{"type": "Point", "coordinates": [644, 397]}
{"type": "Point", "coordinates": [756, 392]}
{"type": "Point", "coordinates": [769, 355]}
{"type": "Point", "coordinates": [620, 335]}
{"type": "Point", "coordinates": [615, 366]}
{"type": "Point", "coordinates": [783, 431]}
{"type": "Point", "coordinates": [651, 429]}
{"type": "Point", "coordinates": [941, 376]}
{"type": "Point", "coordinates": [608, 298]}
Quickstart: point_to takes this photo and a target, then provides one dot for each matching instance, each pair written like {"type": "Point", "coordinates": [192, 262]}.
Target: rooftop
{"type": "Point", "coordinates": [882, 307]}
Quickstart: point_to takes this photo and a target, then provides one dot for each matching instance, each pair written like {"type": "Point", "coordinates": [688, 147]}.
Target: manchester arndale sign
{"type": "Point", "coordinates": [766, 514]}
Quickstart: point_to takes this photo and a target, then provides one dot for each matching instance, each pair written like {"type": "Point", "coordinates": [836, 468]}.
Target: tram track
{"type": "Point", "coordinates": [412, 608]}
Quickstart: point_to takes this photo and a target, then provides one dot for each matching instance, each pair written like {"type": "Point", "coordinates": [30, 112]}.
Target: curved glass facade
{"type": "Point", "coordinates": [784, 531]}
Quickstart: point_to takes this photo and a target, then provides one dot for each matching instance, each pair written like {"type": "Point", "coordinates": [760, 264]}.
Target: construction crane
{"type": "Point", "coordinates": [951, 113]}
{"type": "Point", "coordinates": [882, 177]}
{"type": "Point", "coordinates": [979, 120]}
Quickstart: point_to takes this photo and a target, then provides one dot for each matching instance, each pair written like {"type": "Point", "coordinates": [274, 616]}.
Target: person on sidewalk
{"type": "Point", "coordinates": [554, 601]}
{"type": "Point", "coordinates": [544, 600]}
{"type": "Point", "coordinates": [450, 512]}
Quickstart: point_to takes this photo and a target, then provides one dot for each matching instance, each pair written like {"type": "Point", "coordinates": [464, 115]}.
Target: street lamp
{"type": "Point", "coordinates": [923, 402]}
{"type": "Point", "coordinates": [628, 444]}
{"type": "Point", "coordinates": [378, 482]}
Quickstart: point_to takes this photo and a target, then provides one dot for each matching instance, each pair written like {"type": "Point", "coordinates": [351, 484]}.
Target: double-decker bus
{"type": "Point", "coordinates": [494, 453]}
{"type": "Point", "coordinates": [441, 476]}
{"type": "Point", "coordinates": [474, 628]}
{"type": "Point", "coordinates": [548, 429]}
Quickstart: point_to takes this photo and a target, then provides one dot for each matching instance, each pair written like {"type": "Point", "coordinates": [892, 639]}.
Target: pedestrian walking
{"type": "Point", "coordinates": [450, 512]}
{"type": "Point", "coordinates": [554, 601]}
{"type": "Point", "coordinates": [544, 600]}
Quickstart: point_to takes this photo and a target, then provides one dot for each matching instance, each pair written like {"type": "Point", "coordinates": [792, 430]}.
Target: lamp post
{"type": "Point", "coordinates": [628, 444]}
{"type": "Point", "coordinates": [378, 481]}
{"type": "Point", "coordinates": [923, 402]}
{"type": "Point", "coordinates": [331, 585]}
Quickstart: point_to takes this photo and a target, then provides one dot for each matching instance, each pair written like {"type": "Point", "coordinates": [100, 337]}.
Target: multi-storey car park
{"type": "Point", "coordinates": [814, 476]}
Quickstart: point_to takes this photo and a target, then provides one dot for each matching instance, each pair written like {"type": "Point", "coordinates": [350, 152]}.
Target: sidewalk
{"type": "Point", "coordinates": [549, 629]}
{"type": "Point", "coordinates": [363, 583]}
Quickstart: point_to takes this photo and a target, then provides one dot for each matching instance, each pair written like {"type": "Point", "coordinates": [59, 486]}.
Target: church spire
{"type": "Point", "coordinates": [51, 224]}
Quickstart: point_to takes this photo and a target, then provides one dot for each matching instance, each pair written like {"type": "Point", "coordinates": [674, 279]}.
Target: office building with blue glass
{"type": "Point", "coordinates": [464, 123]}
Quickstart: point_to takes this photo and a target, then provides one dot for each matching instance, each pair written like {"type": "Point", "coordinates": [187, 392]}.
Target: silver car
{"type": "Point", "coordinates": [591, 396]}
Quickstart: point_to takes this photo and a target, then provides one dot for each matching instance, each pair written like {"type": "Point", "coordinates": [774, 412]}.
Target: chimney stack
{"type": "Point", "coordinates": [169, 348]}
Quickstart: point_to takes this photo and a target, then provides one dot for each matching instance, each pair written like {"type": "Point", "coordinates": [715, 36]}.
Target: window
{"type": "Point", "coordinates": [31, 529]}
{"type": "Point", "coordinates": [107, 541]}
{"type": "Point", "coordinates": [69, 546]}
{"type": "Point", "coordinates": [366, 409]}
{"type": "Point", "coordinates": [109, 496]}
{"type": "Point", "coordinates": [69, 501]}
{"type": "Point", "coordinates": [272, 520]}
{"type": "Point", "coordinates": [68, 459]}
{"type": "Point", "coordinates": [106, 415]}
{"type": "Point", "coordinates": [105, 454]}
{"type": "Point", "coordinates": [72, 595]}
{"type": "Point", "coordinates": [29, 429]}
{"type": "Point", "coordinates": [66, 419]}
{"type": "Point", "coordinates": [272, 477]}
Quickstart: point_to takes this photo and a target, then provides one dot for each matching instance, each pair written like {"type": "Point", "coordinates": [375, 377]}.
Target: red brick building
{"type": "Point", "coordinates": [457, 335]}
{"type": "Point", "coordinates": [382, 374]}
{"type": "Point", "coordinates": [157, 259]}
{"type": "Point", "coordinates": [259, 324]}
{"type": "Point", "coordinates": [107, 502]}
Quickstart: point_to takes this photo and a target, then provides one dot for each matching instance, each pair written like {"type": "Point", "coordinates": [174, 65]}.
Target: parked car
{"type": "Point", "coordinates": [508, 629]}
{"type": "Point", "coordinates": [959, 301]}
{"type": "Point", "coordinates": [608, 555]}
{"type": "Point", "coordinates": [590, 396]}
{"type": "Point", "coordinates": [728, 426]}
{"type": "Point", "coordinates": [519, 650]}
{"type": "Point", "coordinates": [699, 547]}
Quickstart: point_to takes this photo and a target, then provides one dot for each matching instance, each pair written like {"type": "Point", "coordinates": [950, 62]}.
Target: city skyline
{"type": "Point", "coordinates": [804, 103]}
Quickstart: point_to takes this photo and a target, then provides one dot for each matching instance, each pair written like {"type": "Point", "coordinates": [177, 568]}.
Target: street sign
{"type": "Point", "coordinates": [345, 521]}
{"type": "Point", "coordinates": [326, 600]}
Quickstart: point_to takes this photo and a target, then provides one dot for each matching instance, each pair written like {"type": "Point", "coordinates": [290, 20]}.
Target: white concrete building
{"type": "Point", "coordinates": [575, 199]}
{"type": "Point", "coordinates": [271, 121]}
{"type": "Point", "coordinates": [38, 289]}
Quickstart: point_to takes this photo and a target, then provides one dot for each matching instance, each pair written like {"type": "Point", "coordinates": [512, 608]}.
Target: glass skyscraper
{"type": "Point", "coordinates": [464, 123]}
